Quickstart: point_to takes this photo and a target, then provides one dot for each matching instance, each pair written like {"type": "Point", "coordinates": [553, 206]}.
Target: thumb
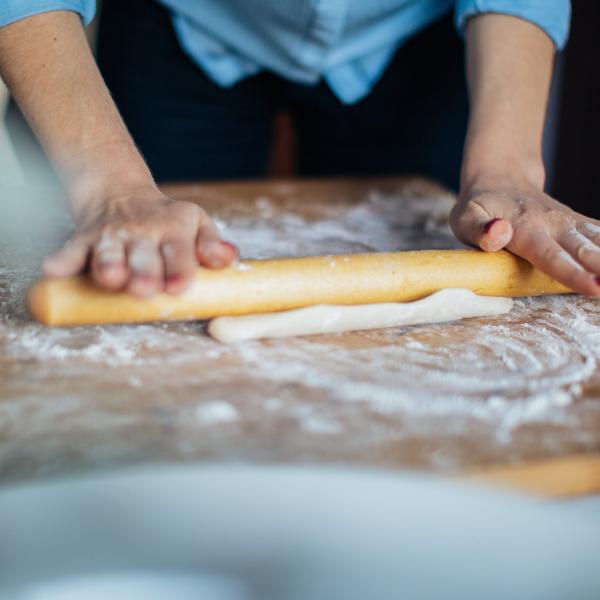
{"type": "Point", "coordinates": [472, 224]}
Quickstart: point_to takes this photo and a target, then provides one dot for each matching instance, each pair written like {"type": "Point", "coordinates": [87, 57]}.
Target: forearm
{"type": "Point", "coordinates": [502, 203]}
{"type": "Point", "coordinates": [47, 64]}
{"type": "Point", "coordinates": [509, 69]}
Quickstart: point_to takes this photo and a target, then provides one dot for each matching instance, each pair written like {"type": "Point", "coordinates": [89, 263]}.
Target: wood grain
{"type": "Point", "coordinates": [93, 398]}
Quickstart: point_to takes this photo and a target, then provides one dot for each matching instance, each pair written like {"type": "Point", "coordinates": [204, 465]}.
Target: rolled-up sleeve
{"type": "Point", "coordinates": [14, 10]}
{"type": "Point", "coordinates": [552, 16]}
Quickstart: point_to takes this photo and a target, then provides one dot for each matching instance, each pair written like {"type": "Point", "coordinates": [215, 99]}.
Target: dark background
{"type": "Point", "coordinates": [575, 164]}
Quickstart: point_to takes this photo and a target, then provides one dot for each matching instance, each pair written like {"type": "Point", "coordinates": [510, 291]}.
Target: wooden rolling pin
{"type": "Point", "coordinates": [258, 286]}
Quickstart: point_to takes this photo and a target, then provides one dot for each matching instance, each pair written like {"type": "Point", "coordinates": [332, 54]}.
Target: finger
{"type": "Point", "coordinates": [69, 260]}
{"type": "Point", "coordinates": [473, 225]}
{"type": "Point", "coordinates": [108, 264]}
{"type": "Point", "coordinates": [583, 250]}
{"type": "Point", "coordinates": [180, 262]}
{"type": "Point", "coordinates": [211, 250]}
{"type": "Point", "coordinates": [591, 230]}
{"type": "Point", "coordinates": [146, 267]}
{"type": "Point", "coordinates": [549, 257]}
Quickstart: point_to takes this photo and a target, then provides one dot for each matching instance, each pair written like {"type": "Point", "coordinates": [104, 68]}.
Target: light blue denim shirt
{"type": "Point", "coordinates": [346, 43]}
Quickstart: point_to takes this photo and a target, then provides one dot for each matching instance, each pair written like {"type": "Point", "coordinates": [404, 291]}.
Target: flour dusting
{"type": "Point", "coordinates": [501, 377]}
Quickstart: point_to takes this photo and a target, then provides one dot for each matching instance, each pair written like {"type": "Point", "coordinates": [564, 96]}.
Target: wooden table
{"type": "Point", "coordinates": [513, 400]}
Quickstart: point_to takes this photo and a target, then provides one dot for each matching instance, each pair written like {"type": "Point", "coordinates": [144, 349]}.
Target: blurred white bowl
{"type": "Point", "coordinates": [240, 533]}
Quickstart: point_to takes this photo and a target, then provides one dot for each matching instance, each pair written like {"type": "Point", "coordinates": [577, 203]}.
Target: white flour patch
{"type": "Point", "coordinates": [376, 225]}
{"type": "Point", "coordinates": [530, 366]}
{"type": "Point", "coordinates": [509, 374]}
{"type": "Point", "coordinates": [216, 412]}
{"type": "Point", "coordinates": [321, 426]}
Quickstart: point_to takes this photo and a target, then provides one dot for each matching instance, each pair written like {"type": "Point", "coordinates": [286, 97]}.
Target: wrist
{"type": "Point", "coordinates": [94, 176]}
{"type": "Point", "coordinates": [495, 170]}
{"type": "Point", "coordinates": [122, 195]}
{"type": "Point", "coordinates": [495, 159]}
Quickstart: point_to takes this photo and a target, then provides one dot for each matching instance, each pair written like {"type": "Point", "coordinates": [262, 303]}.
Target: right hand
{"type": "Point", "coordinates": [143, 242]}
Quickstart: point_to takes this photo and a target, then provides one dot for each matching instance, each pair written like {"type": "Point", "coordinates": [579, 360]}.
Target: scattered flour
{"type": "Point", "coordinates": [217, 411]}
{"type": "Point", "coordinates": [375, 225]}
{"type": "Point", "coordinates": [498, 376]}
{"type": "Point", "coordinates": [313, 422]}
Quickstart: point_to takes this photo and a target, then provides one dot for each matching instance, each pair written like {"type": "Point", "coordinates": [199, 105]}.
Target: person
{"type": "Point", "coordinates": [373, 87]}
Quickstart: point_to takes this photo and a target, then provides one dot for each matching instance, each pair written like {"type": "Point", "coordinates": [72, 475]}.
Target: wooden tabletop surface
{"type": "Point", "coordinates": [513, 400]}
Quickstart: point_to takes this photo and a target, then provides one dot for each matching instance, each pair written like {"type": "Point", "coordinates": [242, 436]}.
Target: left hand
{"type": "Point", "coordinates": [135, 238]}
{"type": "Point", "coordinates": [517, 215]}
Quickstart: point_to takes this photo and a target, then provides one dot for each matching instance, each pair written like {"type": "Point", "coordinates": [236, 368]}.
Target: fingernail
{"type": "Point", "coordinates": [231, 246]}
{"type": "Point", "coordinates": [175, 284]}
{"type": "Point", "coordinates": [175, 280]}
{"type": "Point", "coordinates": [489, 225]}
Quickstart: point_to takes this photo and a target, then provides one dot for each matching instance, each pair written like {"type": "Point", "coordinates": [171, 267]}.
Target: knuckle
{"type": "Point", "coordinates": [171, 249]}
{"type": "Point", "coordinates": [186, 212]}
{"type": "Point", "coordinates": [582, 252]}
{"type": "Point", "coordinates": [135, 229]}
{"type": "Point", "coordinates": [114, 233]}
{"type": "Point", "coordinates": [106, 243]}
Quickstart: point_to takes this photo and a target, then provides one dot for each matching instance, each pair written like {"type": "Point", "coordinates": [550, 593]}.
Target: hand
{"type": "Point", "coordinates": [520, 217]}
{"type": "Point", "coordinates": [141, 241]}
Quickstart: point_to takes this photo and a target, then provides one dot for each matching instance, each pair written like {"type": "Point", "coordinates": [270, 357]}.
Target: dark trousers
{"type": "Point", "coordinates": [189, 128]}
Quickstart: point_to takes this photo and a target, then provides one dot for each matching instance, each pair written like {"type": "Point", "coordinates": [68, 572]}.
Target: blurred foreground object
{"type": "Point", "coordinates": [240, 533]}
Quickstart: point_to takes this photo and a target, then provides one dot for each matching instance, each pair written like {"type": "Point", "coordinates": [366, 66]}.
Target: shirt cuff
{"type": "Point", "coordinates": [552, 16]}
{"type": "Point", "coordinates": [15, 10]}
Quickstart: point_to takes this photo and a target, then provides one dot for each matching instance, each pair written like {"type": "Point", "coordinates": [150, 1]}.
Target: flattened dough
{"type": "Point", "coordinates": [445, 305]}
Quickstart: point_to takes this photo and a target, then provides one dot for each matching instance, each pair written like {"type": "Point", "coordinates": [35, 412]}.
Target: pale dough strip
{"type": "Point", "coordinates": [445, 305]}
